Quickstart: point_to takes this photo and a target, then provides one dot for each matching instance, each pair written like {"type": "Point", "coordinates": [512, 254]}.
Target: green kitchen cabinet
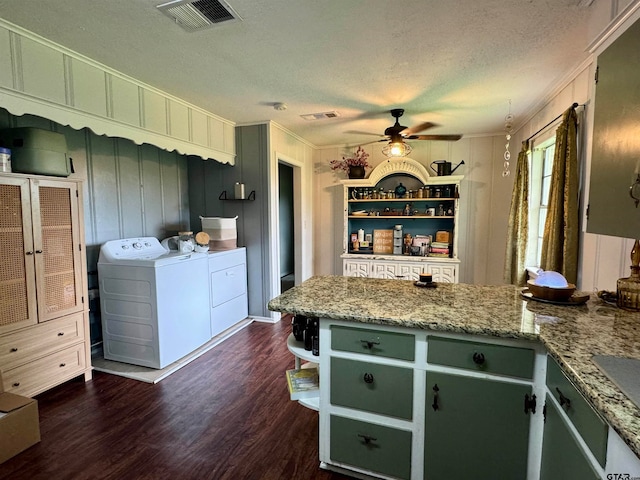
{"type": "Point", "coordinates": [562, 456]}
{"type": "Point", "coordinates": [475, 428]}
{"type": "Point", "coordinates": [614, 158]}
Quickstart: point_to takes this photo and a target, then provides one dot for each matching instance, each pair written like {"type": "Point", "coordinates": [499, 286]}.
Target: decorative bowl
{"type": "Point", "coordinates": [554, 294]}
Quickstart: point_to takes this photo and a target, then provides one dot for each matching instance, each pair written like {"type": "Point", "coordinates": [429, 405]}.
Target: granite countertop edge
{"type": "Point", "coordinates": [612, 404]}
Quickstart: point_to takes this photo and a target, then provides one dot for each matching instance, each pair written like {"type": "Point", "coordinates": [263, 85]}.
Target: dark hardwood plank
{"type": "Point", "coordinates": [227, 415]}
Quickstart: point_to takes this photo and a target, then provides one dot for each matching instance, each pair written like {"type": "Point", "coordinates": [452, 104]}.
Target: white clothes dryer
{"type": "Point", "coordinates": [154, 302]}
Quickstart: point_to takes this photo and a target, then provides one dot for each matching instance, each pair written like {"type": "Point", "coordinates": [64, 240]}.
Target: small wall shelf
{"type": "Point", "coordinates": [251, 197]}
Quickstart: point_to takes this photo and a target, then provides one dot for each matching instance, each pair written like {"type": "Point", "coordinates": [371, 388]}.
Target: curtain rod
{"type": "Point", "coordinates": [573, 105]}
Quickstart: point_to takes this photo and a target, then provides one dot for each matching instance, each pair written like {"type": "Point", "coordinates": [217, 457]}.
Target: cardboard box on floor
{"type": "Point", "coordinates": [19, 425]}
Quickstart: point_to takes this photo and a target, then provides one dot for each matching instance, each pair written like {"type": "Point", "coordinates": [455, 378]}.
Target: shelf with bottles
{"type": "Point", "coordinates": [426, 193]}
{"type": "Point", "coordinates": [399, 195]}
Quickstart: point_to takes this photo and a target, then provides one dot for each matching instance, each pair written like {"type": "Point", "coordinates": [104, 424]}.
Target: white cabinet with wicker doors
{"type": "Point", "coordinates": [44, 332]}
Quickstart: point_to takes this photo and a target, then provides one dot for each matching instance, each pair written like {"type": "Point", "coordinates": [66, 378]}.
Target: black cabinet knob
{"type": "Point", "coordinates": [367, 438]}
{"type": "Point", "coordinates": [564, 401]}
{"type": "Point", "coordinates": [369, 343]}
{"type": "Point", "coordinates": [368, 378]}
{"type": "Point", "coordinates": [478, 358]}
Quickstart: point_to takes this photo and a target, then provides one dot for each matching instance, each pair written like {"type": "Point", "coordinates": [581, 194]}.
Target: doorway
{"type": "Point", "coordinates": [286, 226]}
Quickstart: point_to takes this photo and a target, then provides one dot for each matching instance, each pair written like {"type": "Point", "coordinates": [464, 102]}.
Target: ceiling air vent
{"type": "Point", "coordinates": [320, 116]}
{"type": "Point", "coordinates": [199, 14]}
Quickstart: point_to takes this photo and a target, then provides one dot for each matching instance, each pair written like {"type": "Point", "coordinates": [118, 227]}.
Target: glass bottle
{"type": "Point", "coordinates": [186, 242]}
{"type": "Point", "coordinates": [628, 289]}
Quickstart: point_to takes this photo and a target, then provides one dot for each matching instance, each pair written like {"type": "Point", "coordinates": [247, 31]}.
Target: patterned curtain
{"type": "Point", "coordinates": [514, 267]}
{"type": "Point", "coordinates": [561, 229]}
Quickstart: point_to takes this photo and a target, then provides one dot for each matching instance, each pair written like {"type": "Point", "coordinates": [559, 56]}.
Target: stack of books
{"type": "Point", "coordinates": [439, 249]}
{"type": "Point", "coordinates": [303, 382]}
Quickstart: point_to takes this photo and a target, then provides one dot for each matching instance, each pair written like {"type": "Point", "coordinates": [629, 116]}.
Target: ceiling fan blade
{"type": "Point", "coordinates": [418, 128]}
{"type": "Point", "coordinates": [436, 137]}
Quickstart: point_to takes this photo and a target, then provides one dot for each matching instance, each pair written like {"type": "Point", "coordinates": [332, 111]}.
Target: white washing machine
{"type": "Point", "coordinates": [154, 302]}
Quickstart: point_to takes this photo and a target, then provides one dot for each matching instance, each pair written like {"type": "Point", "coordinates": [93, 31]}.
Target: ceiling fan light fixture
{"type": "Point", "coordinates": [396, 149]}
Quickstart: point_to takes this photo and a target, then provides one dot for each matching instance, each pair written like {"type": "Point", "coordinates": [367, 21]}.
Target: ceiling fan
{"type": "Point", "coordinates": [397, 134]}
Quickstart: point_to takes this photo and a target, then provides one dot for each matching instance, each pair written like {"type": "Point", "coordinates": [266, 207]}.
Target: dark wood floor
{"type": "Point", "coordinates": [226, 415]}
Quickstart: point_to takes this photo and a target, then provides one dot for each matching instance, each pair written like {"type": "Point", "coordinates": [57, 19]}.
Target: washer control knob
{"type": "Point", "coordinates": [137, 245]}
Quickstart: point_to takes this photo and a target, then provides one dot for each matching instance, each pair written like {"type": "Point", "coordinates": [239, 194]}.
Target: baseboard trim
{"type": "Point", "coordinates": [264, 319]}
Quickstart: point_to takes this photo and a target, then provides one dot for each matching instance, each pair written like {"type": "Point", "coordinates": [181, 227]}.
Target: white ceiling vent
{"type": "Point", "coordinates": [320, 116]}
{"type": "Point", "coordinates": [199, 14]}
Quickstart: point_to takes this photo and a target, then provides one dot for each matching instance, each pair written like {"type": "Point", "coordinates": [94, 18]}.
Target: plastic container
{"type": "Point", "coordinates": [5, 160]}
{"type": "Point", "coordinates": [39, 151]}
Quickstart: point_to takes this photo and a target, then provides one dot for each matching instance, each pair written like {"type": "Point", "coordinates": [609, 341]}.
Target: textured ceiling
{"type": "Point", "coordinates": [455, 63]}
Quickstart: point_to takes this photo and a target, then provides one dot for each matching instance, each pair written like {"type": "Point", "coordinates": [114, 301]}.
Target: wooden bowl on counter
{"type": "Point", "coordinates": [553, 294]}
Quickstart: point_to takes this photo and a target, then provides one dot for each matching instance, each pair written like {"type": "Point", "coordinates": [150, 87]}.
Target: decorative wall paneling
{"type": "Point", "coordinates": [41, 78]}
{"type": "Point", "coordinates": [259, 149]}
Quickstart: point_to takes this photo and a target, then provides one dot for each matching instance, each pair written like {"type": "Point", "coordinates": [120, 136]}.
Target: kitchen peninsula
{"type": "Point", "coordinates": [416, 345]}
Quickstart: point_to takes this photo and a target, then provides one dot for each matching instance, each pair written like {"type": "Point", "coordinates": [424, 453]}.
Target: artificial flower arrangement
{"type": "Point", "coordinates": [359, 159]}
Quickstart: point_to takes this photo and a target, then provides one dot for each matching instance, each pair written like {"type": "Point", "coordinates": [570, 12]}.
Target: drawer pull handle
{"type": "Point", "coordinates": [529, 403]}
{"type": "Point", "coordinates": [60, 334]}
{"type": "Point", "coordinates": [14, 349]}
{"type": "Point", "coordinates": [564, 401]}
{"type": "Point", "coordinates": [63, 365]}
{"type": "Point", "coordinates": [435, 405]}
{"type": "Point", "coordinates": [368, 378]}
{"type": "Point", "coordinates": [369, 343]}
{"type": "Point", "coordinates": [367, 438]}
{"type": "Point", "coordinates": [478, 358]}
{"type": "Point", "coordinates": [16, 384]}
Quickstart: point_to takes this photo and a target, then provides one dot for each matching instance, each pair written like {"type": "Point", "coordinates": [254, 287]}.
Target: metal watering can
{"type": "Point", "coordinates": [444, 167]}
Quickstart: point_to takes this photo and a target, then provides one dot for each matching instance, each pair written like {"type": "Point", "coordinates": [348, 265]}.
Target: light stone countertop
{"type": "Point", "coordinates": [571, 334]}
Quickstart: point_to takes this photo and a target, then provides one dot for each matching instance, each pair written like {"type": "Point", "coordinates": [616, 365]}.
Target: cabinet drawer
{"type": "Point", "coordinates": [45, 372]}
{"type": "Point", "coordinates": [377, 448]}
{"type": "Point", "coordinates": [498, 359]}
{"type": "Point", "coordinates": [372, 387]}
{"type": "Point", "coordinates": [227, 284]}
{"type": "Point", "coordinates": [22, 346]}
{"type": "Point", "coordinates": [373, 342]}
{"type": "Point", "coordinates": [590, 425]}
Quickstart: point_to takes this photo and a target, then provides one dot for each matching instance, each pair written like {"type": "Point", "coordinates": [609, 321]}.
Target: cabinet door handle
{"type": "Point", "coordinates": [60, 334]}
{"type": "Point", "coordinates": [369, 343]}
{"type": "Point", "coordinates": [14, 349]}
{"type": "Point", "coordinates": [367, 438]}
{"type": "Point", "coordinates": [38, 251]}
{"type": "Point", "coordinates": [368, 378]}
{"type": "Point", "coordinates": [29, 253]}
{"type": "Point", "coordinates": [435, 405]}
{"type": "Point", "coordinates": [63, 365]}
{"type": "Point", "coordinates": [478, 358]}
{"type": "Point", "coordinates": [564, 401]}
{"type": "Point", "coordinates": [529, 403]}
{"type": "Point", "coordinates": [632, 188]}
{"type": "Point", "coordinates": [16, 384]}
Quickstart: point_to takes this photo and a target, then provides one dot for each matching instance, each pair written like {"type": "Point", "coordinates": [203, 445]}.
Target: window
{"type": "Point", "coordinates": [541, 165]}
